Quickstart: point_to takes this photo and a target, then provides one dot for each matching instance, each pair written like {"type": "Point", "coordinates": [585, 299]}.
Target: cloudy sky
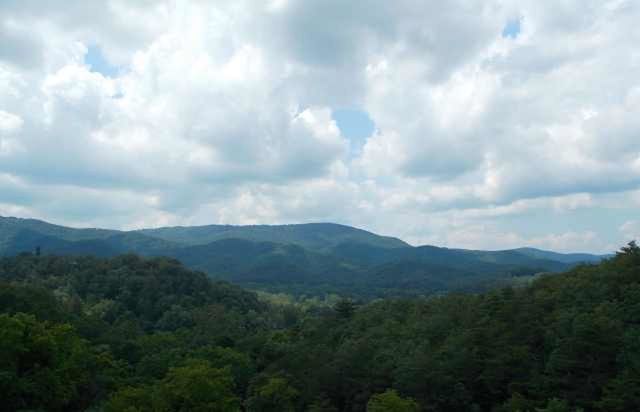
{"type": "Point", "coordinates": [488, 124]}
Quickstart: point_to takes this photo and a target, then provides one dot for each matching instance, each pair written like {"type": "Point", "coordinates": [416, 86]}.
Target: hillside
{"type": "Point", "coordinates": [307, 259]}
{"type": "Point", "coordinates": [11, 226]}
{"type": "Point", "coordinates": [85, 333]}
{"type": "Point", "coordinates": [559, 257]}
{"type": "Point", "coordinates": [568, 342]}
{"type": "Point", "coordinates": [318, 237]}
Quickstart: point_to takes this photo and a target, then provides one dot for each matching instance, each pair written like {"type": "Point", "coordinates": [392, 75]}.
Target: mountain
{"type": "Point", "coordinates": [306, 259]}
{"type": "Point", "coordinates": [560, 257]}
{"type": "Point", "coordinates": [314, 236]}
{"type": "Point", "coordinates": [10, 226]}
{"type": "Point", "coordinates": [448, 257]}
{"type": "Point", "coordinates": [16, 237]}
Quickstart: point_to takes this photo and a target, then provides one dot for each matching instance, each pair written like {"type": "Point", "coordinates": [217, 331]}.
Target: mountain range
{"type": "Point", "coordinates": [302, 259]}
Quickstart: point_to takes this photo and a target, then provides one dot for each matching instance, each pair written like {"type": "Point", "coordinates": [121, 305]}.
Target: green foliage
{"type": "Point", "coordinates": [239, 364]}
{"type": "Point", "coordinates": [314, 236]}
{"type": "Point", "coordinates": [516, 403]}
{"type": "Point", "coordinates": [45, 366]}
{"type": "Point", "coordinates": [345, 308]}
{"type": "Point", "coordinates": [148, 314]}
{"type": "Point", "coordinates": [390, 401]}
{"type": "Point", "coordinates": [622, 393]}
{"type": "Point", "coordinates": [555, 405]}
{"type": "Point", "coordinates": [273, 394]}
{"type": "Point", "coordinates": [571, 337]}
{"type": "Point", "coordinates": [131, 399]}
{"type": "Point", "coordinates": [133, 334]}
{"type": "Point", "coordinates": [15, 298]}
{"type": "Point", "coordinates": [198, 387]}
{"type": "Point", "coordinates": [322, 404]}
{"type": "Point", "coordinates": [302, 260]}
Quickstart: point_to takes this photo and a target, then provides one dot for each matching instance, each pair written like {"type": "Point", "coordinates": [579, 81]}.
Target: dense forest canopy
{"type": "Point", "coordinates": [135, 334]}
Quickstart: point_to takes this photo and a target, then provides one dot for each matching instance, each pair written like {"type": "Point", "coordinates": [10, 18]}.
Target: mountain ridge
{"type": "Point", "coordinates": [325, 234]}
{"type": "Point", "coordinates": [312, 258]}
{"type": "Point", "coordinates": [95, 232]}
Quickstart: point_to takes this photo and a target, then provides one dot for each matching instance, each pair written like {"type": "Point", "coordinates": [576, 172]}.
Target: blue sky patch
{"type": "Point", "coordinates": [512, 28]}
{"type": "Point", "coordinates": [355, 125]}
{"type": "Point", "coordinates": [98, 63]}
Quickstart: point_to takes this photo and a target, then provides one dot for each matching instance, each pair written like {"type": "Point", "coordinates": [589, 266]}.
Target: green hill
{"type": "Point", "coordinates": [560, 257]}
{"type": "Point", "coordinates": [307, 259]}
{"type": "Point", "coordinates": [314, 236]}
{"type": "Point", "coordinates": [128, 333]}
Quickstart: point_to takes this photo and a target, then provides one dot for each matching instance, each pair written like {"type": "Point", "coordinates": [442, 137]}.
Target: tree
{"type": "Point", "coordinates": [322, 405]}
{"type": "Point", "coordinates": [556, 405]}
{"type": "Point", "coordinates": [274, 395]}
{"type": "Point", "coordinates": [345, 308]}
{"type": "Point", "coordinates": [131, 399]}
{"type": "Point", "coordinates": [517, 403]}
{"type": "Point", "coordinates": [628, 256]}
{"type": "Point", "coordinates": [632, 248]}
{"type": "Point", "coordinates": [238, 363]}
{"type": "Point", "coordinates": [390, 401]}
{"type": "Point", "coordinates": [44, 366]}
{"type": "Point", "coordinates": [622, 393]}
{"type": "Point", "coordinates": [198, 387]}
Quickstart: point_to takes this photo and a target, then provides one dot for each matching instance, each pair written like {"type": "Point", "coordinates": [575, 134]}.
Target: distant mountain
{"type": "Point", "coordinates": [561, 257]}
{"type": "Point", "coordinates": [447, 257]}
{"type": "Point", "coordinates": [311, 259]}
{"type": "Point", "coordinates": [313, 236]}
{"type": "Point", "coordinates": [10, 226]}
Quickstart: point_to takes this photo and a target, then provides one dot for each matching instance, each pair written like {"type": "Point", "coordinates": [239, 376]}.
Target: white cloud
{"type": "Point", "coordinates": [222, 113]}
{"type": "Point", "coordinates": [9, 123]}
{"type": "Point", "coordinates": [630, 230]}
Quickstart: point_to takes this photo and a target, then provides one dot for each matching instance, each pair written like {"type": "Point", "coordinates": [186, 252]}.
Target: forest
{"type": "Point", "coordinates": [313, 259]}
{"type": "Point", "coordinates": [128, 333]}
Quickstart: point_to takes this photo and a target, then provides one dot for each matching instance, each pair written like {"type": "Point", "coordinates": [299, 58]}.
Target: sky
{"type": "Point", "coordinates": [485, 125]}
